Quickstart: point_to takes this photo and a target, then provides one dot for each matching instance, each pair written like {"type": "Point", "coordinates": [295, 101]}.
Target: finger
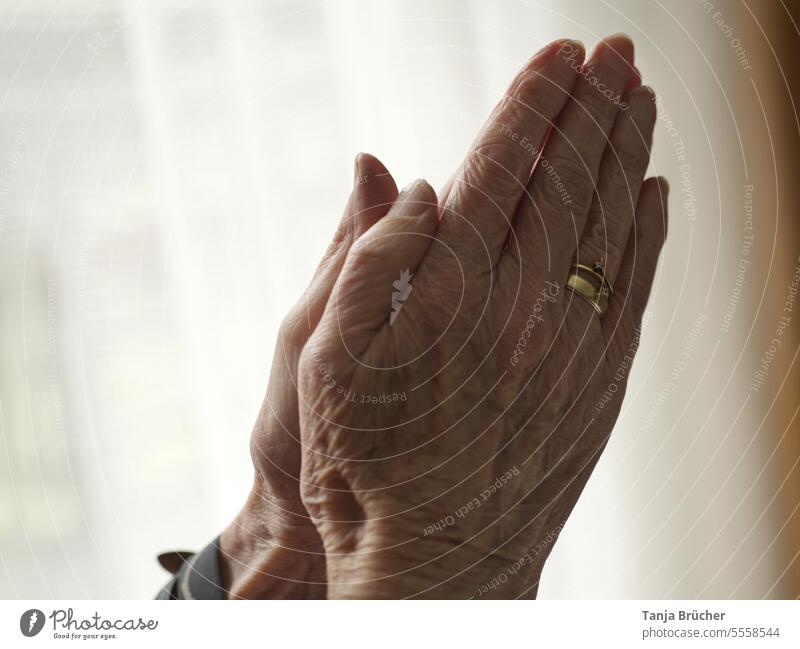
{"type": "Point", "coordinates": [363, 298]}
{"type": "Point", "coordinates": [646, 239]}
{"type": "Point", "coordinates": [635, 80]}
{"type": "Point", "coordinates": [487, 187]}
{"type": "Point", "coordinates": [551, 218]}
{"type": "Point", "coordinates": [374, 190]}
{"type": "Point", "coordinates": [621, 173]}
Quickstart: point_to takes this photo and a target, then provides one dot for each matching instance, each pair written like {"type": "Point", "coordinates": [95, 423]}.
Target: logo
{"type": "Point", "coordinates": [402, 290]}
{"type": "Point", "coordinates": [31, 622]}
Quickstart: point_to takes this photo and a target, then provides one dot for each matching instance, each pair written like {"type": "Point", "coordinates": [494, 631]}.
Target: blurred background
{"type": "Point", "coordinates": [170, 173]}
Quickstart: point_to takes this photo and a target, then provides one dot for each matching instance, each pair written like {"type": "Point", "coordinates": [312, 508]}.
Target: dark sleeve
{"type": "Point", "coordinates": [195, 576]}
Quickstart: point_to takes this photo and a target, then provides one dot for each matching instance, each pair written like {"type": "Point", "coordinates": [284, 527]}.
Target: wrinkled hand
{"type": "Point", "coordinates": [271, 549]}
{"type": "Point", "coordinates": [455, 397]}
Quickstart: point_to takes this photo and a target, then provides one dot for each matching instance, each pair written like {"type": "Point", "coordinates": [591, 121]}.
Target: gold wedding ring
{"type": "Point", "coordinates": [591, 285]}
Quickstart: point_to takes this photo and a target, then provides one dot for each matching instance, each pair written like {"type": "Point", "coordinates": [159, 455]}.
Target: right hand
{"type": "Point", "coordinates": [474, 411]}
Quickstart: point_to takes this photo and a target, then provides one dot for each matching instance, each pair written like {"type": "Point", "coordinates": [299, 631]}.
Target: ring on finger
{"type": "Point", "coordinates": [591, 284]}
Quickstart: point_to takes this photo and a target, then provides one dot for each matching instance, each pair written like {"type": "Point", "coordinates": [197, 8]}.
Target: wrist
{"type": "Point", "coordinates": [388, 565]}
{"type": "Point", "coordinates": [271, 551]}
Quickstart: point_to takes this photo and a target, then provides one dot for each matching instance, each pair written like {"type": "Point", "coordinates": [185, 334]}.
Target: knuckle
{"type": "Point", "coordinates": [634, 161]}
{"type": "Point", "coordinates": [531, 97]}
{"type": "Point", "coordinates": [605, 237]}
{"type": "Point", "coordinates": [598, 109]}
{"type": "Point", "coordinates": [364, 253]}
{"type": "Point", "coordinates": [572, 172]}
{"type": "Point", "coordinates": [607, 247]}
{"type": "Point", "coordinates": [625, 161]}
{"type": "Point", "coordinates": [563, 184]}
{"type": "Point", "coordinates": [493, 165]}
{"type": "Point", "coordinates": [620, 190]}
{"type": "Point", "coordinates": [293, 331]}
{"type": "Point", "coordinates": [619, 194]}
{"type": "Point", "coordinates": [311, 371]}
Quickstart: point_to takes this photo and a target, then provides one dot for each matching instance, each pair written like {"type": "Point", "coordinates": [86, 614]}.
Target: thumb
{"type": "Point", "coordinates": [374, 191]}
{"type": "Point", "coordinates": [378, 274]}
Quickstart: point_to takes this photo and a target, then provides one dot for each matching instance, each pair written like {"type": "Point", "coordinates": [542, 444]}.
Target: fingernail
{"type": "Point", "coordinates": [414, 187]}
{"type": "Point", "coordinates": [642, 102]}
{"type": "Point", "coordinates": [617, 52]}
{"type": "Point", "coordinates": [357, 169]}
{"type": "Point", "coordinates": [635, 79]}
{"type": "Point", "coordinates": [653, 107]}
{"type": "Point", "coordinates": [569, 50]}
{"type": "Point", "coordinates": [416, 194]}
{"type": "Point", "coordinates": [652, 96]}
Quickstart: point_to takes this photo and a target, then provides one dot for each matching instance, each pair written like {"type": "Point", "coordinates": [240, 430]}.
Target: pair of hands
{"type": "Point", "coordinates": [438, 399]}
